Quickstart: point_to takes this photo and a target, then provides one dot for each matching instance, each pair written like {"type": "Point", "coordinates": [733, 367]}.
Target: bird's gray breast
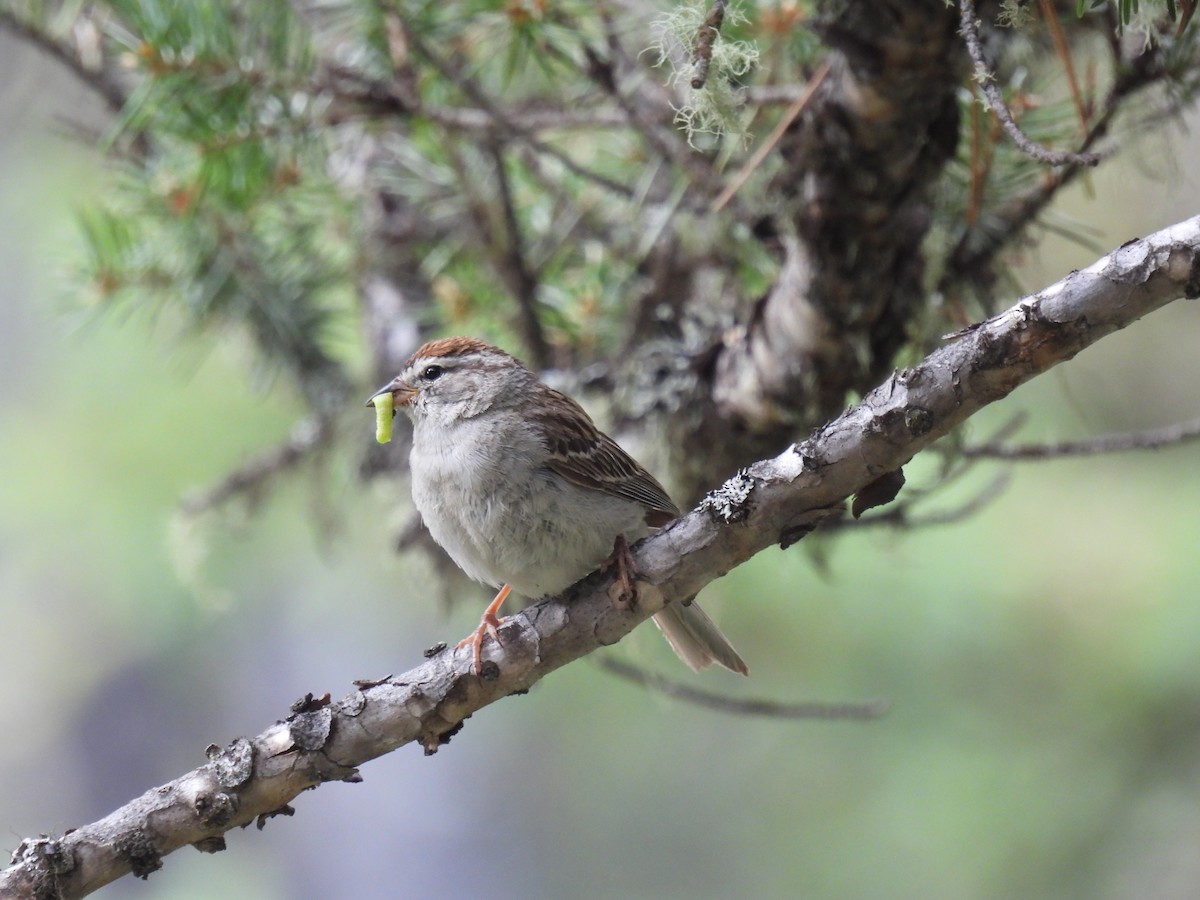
{"type": "Point", "coordinates": [487, 497]}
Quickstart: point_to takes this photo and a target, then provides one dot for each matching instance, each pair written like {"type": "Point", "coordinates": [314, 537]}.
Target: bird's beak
{"type": "Point", "coordinates": [402, 395]}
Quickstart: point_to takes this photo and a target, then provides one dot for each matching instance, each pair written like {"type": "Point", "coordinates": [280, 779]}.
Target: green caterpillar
{"type": "Point", "coordinates": [384, 411]}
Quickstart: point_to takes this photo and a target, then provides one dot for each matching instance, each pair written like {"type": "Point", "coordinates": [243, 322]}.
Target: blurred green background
{"type": "Point", "coordinates": [1040, 658]}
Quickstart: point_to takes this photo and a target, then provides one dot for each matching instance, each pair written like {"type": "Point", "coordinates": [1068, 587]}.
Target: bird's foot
{"type": "Point", "coordinates": [489, 623]}
{"type": "Point", "coordinates": [624, 589]}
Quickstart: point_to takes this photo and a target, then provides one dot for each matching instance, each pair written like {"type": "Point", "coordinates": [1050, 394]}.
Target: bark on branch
{"type": "Point", "coordinates": [775, 501]}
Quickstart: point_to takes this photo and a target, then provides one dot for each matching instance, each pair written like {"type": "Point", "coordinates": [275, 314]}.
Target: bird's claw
{"type": "Point", "coordinates": [625, 594]}
{"type": "Point", "coordinates": [489, 624]}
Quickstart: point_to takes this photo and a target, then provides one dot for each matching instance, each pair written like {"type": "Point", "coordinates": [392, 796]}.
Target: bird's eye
{"type": "Point", "coordinates": [432, 373]}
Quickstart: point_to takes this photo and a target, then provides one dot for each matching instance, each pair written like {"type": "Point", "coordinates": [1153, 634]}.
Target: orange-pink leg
{"type": "Point", "coordinates": [623, 560]}
{"type": "Point", "coordinates": [489, 624]}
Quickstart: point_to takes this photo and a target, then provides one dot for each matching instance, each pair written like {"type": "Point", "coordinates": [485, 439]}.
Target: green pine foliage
{"type": "Point", "coordinates": [254, 137]}
{"type": "Point", "coordinates": [221, 206]}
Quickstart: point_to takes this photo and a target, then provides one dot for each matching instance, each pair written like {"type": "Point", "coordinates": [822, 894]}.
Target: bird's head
{"type": "Point", "coordinates": [456, 378]}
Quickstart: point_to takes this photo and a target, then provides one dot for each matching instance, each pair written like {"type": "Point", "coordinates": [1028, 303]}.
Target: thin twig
{"type": "Point", "coordinates": [514, 269]}
{"type": "Point", "coordinates": [306, 436]}
{"type": "Point", "coordinates": [743, 707]}
{"type": "Point", "coordinates": [900, 515]}
{"type": "Point", "coordinates": [1009, 428]}
{"type": "Point", "coordinates": [358, 92]}
{"type": "Point", "coordinates": [480, 97]}
{"type": "Point", "coordinates": [987, 84]}
{"type": "Point", "coordinates": [772, 94]}
{"type": "Point", "coordinates": [772, 139]}
{"type": "Point", "coordinates": [1189, 7]}
{"type": "Point", "coordinates": [706, 38]}
{"type": "Point", "coordinates": [967, 258]}
{"type": "Point", "coordinates": [980, 167]}
{"type": "Point", "coordinates": [499, 236]}
{"type": "Point", "coordinates": [587, 221]}
{"type": "Point", "coordinates": [101, 82]}
{"type": "Point", "coordinates": [1150, 439]}
{"type": "Point", "coordinates": [650, 115]}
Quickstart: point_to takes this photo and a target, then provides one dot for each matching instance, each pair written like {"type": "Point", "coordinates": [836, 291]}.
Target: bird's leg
{"type": "Point", "coordinates": [488, 624]}
{"type": "Point", "coordinates": [626, 570]}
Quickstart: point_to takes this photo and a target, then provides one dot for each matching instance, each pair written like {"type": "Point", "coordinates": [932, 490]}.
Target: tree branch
{"type": "Point", "coordinates": [987, 84]}
{"type": "Point", "coordinates": [742, 706]}
{"type": "Point", "coordinates": [1151, 439]}
{"type": "Point", "coordinates": [976, 250]}
{"type": "Point", "coordinates": [647, 106]}
{"type": "Point", "coordinates": [503, 121]}
{"type": "Point", "coordinates": [512, 266]}
{"type": "Point", "coordinates": [773, 501]}
{"type": "Point", "coordinates": [99, 79]}
{"type": "Point", "coordinates": [706, 38]}
{"type": "Point", "coordinates": [357, 92]}
{"type": "Point", "coordinates": [901, 515]}
{"type": "Point", "coordinates": [250, 478]}
{"type": "Point", "coordinates": [768, 144]}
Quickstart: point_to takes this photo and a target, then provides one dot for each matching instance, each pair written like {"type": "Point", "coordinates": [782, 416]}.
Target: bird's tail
{"type": "Point", "coordinates": [696, 639]}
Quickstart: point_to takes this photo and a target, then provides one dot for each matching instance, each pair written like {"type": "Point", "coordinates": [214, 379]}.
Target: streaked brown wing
{"type": "Point", "coordinates": [586, 456]}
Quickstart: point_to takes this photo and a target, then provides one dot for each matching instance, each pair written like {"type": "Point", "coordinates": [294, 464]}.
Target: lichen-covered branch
{"type": "Point", "coordinates": [774, 501]}
{"type": "Point", "coordinates": [986, 81]}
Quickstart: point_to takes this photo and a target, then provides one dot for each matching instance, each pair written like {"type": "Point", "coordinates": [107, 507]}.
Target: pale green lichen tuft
{"type": "Point", "coordinates": [717, 107]}
{"type": "Point", "coordinates": [1014, 14]}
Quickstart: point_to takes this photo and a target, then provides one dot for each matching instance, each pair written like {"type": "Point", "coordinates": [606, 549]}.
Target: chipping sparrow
{"type": "Point", "coordinates": [517, 484]}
